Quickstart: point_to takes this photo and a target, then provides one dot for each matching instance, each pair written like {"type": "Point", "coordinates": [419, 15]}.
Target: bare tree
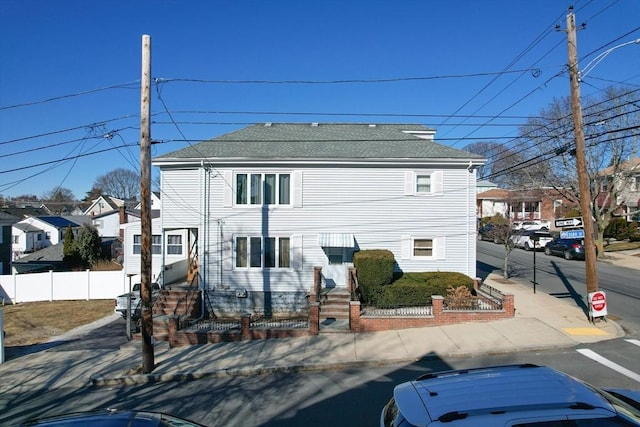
{"type": "Point", "coordinates": [121, 183]}
{"type": "Point", "coordinates": [59, 200]}
{"type": "Point", "coordinates": [505, 166]}
{"type": "Point", "coordinates": [611, 133]}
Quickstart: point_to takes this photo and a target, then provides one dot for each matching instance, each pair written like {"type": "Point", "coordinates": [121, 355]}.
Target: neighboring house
{"type": "Point", "coordinates": [156, 204]}
{"type": "Point", "coordinates": [521, 205]}
{"type": "Point", "coordinates": [621, 191]}
{"type": "Point", "coordinates": [50, 258]}
{"type": "Point", "coordinates": [167, 247]}
{"type": "Point", "coordinates": [482, 186]}
{"type": "Point", "coordinates": [108, 224]}
{"type": "Point", "coordinates": [270, 203]}
{"type": "Point", "coordinates": [35, 233]}
{"type": "Point", "coordinates": [6, 222]}
{"type": "Point", "coordinates": [104, 204]}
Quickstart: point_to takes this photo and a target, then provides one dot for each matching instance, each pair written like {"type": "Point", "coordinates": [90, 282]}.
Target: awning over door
{"type": "Point", "coordinates": [336, 240]}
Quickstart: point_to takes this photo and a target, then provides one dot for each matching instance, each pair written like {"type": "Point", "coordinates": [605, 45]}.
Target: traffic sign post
{"type": "Point", "coordinates": [597, 305]}
{"type": "Point", "coordinates": [568, 222]}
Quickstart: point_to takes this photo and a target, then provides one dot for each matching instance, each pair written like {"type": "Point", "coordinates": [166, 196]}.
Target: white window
{"type": "Point", "coordinates": [16, 239]}
{"type": "Point", "coordinates": [174, 244]}
{"type": "Point", "coordinates": [423, 183]}
{"type": "Point", "coordinates": [263, 189]}
{"type": "Point", "coordinates": [156, 244]}
{"type": "Point", "coordinates": [262, 252]}
{"type": "Point", "coordinates": [422, 247]}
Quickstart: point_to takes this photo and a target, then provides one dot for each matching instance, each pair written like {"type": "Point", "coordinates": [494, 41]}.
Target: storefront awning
{"type": "Point", "coordinates": [336, 240]}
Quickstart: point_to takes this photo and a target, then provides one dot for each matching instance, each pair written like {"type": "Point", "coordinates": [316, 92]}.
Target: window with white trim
{"type": "Point", "coordinates": [156, 244]}
{"type": "Point", "coordinates": [262, 252]}
{"type": "Point", "coordinates": [263, 189]}
{"type": "Point", "coordinates": [174, 244]}
{"type": "Point", "coordinates": [423, 247]}
{"type": "Point", "coordinates": [423, 183]}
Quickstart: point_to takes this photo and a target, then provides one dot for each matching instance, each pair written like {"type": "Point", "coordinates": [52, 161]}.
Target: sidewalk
{"type": "Point", "coordinates": [541, 322]}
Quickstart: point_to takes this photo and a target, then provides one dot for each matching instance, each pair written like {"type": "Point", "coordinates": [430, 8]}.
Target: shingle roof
{"type": "Point", "coordinates": [58, 221]}
{"type": "Point", "coordinates": [322, 141]}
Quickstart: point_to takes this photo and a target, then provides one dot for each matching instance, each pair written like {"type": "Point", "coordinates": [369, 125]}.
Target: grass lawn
{"type": "Point", "coordinates": [621, 246]}
{"type": "Point", "coordinates": [35, 322]}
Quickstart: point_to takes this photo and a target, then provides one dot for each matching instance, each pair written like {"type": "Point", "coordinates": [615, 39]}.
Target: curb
{"type": "Point", "coordinates": [141, 379]}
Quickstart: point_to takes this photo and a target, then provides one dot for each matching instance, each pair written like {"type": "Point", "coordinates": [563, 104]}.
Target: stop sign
{"type": "Point", "coordinates": [598, 303]}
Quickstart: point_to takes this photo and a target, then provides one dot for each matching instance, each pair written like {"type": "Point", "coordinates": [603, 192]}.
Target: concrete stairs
{"type": "Point", "coordinates": [334, 310]}
{"type": "Point", "coordinates": [175, 300]}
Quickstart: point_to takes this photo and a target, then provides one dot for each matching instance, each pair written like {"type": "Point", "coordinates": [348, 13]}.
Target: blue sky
{"type": "Point", "coordinates": [70, 71]}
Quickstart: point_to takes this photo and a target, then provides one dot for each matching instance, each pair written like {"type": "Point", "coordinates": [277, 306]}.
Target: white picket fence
{"type": "Point", "coordinates": [52, 286]}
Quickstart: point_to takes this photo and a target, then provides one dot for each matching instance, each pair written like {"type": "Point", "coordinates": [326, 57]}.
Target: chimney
{"type": "Point", "coordinates": [123, 220]}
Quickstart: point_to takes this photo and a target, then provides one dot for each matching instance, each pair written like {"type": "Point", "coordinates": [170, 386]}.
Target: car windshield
{"type": "Point", "coordinates": [621, 404]}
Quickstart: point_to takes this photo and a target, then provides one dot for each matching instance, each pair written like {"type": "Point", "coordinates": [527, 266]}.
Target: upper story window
{"type": "Point", "coordinates": [423, 183]}
{"type": "Point", "coordinates": [636, 183]}
{"type": "Point", "coordinates": [16, 239]}
{"type": "Point", "coordinates": [263, 189]}
{"type": "Point", "coordinates": [262, 252]}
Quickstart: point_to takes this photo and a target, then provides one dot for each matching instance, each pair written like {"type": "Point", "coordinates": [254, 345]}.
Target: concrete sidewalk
{"type": "Point", "coordinates": [541, 322]}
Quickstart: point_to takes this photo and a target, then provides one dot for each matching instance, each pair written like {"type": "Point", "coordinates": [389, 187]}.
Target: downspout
{"type": "Point", "coordinates": [469, 215]}
{"type": "Point", "coordinates": [203, 248]}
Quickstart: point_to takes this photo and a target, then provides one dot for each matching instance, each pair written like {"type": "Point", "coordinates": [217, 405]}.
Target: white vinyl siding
{"type": "Point", "coordinates": [181, 198]}
{"type": "Point", "coordinates": [364, 201]}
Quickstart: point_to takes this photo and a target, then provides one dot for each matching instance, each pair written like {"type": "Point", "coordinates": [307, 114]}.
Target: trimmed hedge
{"type": "Point", "coordinates": [375, 266]}
{"type": "Point", "coordinates": [413, 289]}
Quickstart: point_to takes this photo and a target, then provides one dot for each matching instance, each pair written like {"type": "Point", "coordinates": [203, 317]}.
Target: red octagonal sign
{"type": "Point", "coordinates": [598, 303]}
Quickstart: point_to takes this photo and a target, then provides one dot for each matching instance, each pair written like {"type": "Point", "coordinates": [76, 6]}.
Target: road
{"type": "Point", "coordinates": [353, 396]}
{"type": "Point", "coordinates": [350, 397]}
{"type": "Point", "coordinates": [566, 279]}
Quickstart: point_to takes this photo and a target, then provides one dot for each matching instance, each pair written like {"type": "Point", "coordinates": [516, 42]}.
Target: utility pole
{"type": "Point", "coordinates": [148, 363]}
{"type": "Point", "coordinates": [581, 161]}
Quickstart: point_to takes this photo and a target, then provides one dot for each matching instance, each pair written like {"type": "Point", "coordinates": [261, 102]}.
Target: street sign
{"type": "Point", "coordinates": [569, 222]}
{"type": "Point", "coordinates": [597, 304]}
{"type": "Point", "coordinates": [572, 234]}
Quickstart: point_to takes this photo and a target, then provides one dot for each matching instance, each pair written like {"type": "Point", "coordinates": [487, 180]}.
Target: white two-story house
{"type": "Point", "coordinates": [35, 233]}
{"type": "Point", "coordinates": [268, 203]}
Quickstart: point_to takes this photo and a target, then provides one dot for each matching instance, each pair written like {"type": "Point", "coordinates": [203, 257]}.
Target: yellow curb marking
{"type": "Point", "coordinates": [584, 331]}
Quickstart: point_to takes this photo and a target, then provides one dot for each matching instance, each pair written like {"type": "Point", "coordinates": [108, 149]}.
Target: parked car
{"type": "Point", "coordinates": [121, 301]}
{"type": "Point", "coordinates": [534, 224]}
{"type": "Point", "coordinates": [496, 233]}
{"type": "Point", "coordinates": [514, 395]}
{"type": "Point", "coordinates": [113, 418]}
{"type": "Point", "coordinates": [568, 248]}
{"type": "Point", "coordinates": [526, 239]}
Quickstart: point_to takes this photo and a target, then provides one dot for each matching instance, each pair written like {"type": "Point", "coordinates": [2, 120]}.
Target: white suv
{"type": "Point", "coordinates": [514, 395]}
{"type": "Point", "coordinates": [533, 224]}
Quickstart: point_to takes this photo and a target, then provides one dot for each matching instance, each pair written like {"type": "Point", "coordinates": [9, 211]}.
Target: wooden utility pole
{"type": "Point", "coordinates": [581, 161]}
{"type": "Point", "coordinates": [148, 363]}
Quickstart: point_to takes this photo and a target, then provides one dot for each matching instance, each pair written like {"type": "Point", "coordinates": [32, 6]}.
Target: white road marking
{"type": "Point", "coordinates": [609, 364]}
{"type": "Point", "coordinates": [634, 342]}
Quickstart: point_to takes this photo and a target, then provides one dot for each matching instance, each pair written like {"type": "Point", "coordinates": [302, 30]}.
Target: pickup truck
{"type": "Point", "coordinates": [136, 302]}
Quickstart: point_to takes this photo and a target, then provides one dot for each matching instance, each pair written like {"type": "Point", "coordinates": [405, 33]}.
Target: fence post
{"type": "Point", "coordinates": [314, 318]}
{"type": "Point", "coordinates": [354, 316]}
{"type": "Point", "coordinates": [245, 326]}
{"type": "Point", "coordinates": [51, 284]}
{"type": "Point", "coordinates": [437, 303]}
{"type": "Point", "coordinates": [1, 335]}
{"type": "Point", "coordinates": [88, 284]}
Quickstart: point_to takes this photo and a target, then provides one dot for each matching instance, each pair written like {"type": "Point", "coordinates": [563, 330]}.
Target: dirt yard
{"type": "Point", "coordinates": [36, 322]}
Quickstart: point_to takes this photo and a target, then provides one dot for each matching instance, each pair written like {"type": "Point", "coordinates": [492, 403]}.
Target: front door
{"type": "Point", "coordinates": [335, 269]}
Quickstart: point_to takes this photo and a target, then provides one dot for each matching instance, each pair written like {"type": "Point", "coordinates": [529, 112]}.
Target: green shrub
{"type": "Point", "coordinates": [634, 232]}
{"type": "Point", "coordinates": [413, 289]}
{"type": "Point", "coordinates": [617, 229]}
{"type": "Point", "coordinates": [375, 267]}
